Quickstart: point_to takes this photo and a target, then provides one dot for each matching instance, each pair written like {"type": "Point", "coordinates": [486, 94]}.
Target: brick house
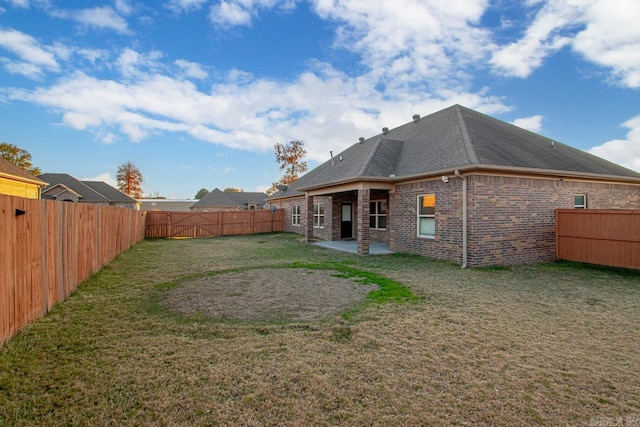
{"type": "Point", "coordinates": [455, 185]}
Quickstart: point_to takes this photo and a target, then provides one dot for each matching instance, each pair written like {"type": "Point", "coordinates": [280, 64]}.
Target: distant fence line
{"type": "Point", "coordinates": [163, 224]}
{"type": "Point", "coordinates": [603, 237]}
{"type": "Point", "coordinates": [48, 247]}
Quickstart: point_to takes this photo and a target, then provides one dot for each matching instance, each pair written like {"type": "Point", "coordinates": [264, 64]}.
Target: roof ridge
{"type": "Point", "coordinates": [471, 152]}
{"type": "Point", "coordinates": [367, 163]}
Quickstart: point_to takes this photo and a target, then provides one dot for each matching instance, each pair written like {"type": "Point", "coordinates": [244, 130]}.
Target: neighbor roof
{"type": "Point", "coordinates": [109, 192]}
{"type": "Point", "coordinates": [88, 191]}
{"type": "Point", "coordinates": [9, 170]}
{"type": "Point", "coordinates": [87, 194]}
{"type": "Point", "coordinates": [218, 198]}
{"type": "Point", "coordinates": [454, 138]}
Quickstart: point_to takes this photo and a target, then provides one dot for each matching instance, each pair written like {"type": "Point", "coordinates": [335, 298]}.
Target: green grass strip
{"type": "Point", "coordinates": [388, 290]}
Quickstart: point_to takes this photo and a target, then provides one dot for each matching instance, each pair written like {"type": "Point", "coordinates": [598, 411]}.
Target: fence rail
{"type": "Point", "coordinates": [48, 247]}
{"type": "Point", "coordinates": [603, 237]}
{"type": "Point", "coordinates": [161, 224]}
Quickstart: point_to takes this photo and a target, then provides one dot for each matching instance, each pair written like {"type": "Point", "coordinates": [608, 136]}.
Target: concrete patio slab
{"type": "Point", "coordinates": [351, 246]}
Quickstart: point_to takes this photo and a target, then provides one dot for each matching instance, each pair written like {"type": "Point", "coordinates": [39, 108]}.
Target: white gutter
{"type": "Point", "coordinates": [464, 217]}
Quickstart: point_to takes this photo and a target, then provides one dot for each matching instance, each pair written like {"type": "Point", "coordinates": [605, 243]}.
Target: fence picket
{"type": "Point", "coordinates": [162, 224]}
{"type": "Point", "coordinates": [47, 252]}
{"type": "Point", "coordinates": [603, 237]}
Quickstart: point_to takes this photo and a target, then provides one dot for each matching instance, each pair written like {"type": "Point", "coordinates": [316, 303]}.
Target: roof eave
{"type": "Point", "coordinates": [35, 181]}
{"type": "Point", "coordinates": [552, 172]}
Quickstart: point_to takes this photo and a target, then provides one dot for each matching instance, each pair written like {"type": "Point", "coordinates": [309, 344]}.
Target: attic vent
{"type": "Point", "coordinates": [361, 139]}
{"type": "Point", "coordinates": [416, 118]}
{"type": "Point", "coordinates": [385, 130]}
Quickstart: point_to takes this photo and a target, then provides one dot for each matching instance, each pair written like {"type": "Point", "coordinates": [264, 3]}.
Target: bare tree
{"type": "Point", "coordinates": [130, 180]}
{"type": "Point", "coordinates": [19, 157]}
{"type": "Point", "coordinates": [290, 157]}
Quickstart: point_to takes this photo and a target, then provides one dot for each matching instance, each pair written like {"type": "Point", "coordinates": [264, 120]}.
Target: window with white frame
{"type": "Point", "coordinates": [378, 215]}
{"type": "Point", "coordinates": [318, 215]}
{"type": "Point", "coordinates": [580, 201]}
{"type": "Point", "coordinates": [295, 215]}
{"type": "Point", "coordinates": [427, 215]}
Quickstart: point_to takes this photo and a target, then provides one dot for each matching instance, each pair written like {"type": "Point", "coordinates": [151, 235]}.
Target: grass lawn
{"type": "Point", "coordinates": [555, 344]}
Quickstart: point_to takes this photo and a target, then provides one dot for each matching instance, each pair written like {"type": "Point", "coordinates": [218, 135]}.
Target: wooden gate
{"type": "Point", "coordinates": [161, 224]}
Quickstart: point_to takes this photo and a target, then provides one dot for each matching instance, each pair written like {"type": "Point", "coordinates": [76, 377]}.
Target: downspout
{"type": "Point", "coordinates": [464, 217]}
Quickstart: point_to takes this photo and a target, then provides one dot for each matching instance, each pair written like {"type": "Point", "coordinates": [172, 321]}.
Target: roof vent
{"type": "Point", "coordinates": [361, 139]}
{"type": "Point", "coordinates": [416, 118]}
{"type": "Point", "coordinates": [385, 130]}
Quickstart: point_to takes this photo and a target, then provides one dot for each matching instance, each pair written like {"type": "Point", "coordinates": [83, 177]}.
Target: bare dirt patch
{"type": "Point", "coordinates": [286, 294]}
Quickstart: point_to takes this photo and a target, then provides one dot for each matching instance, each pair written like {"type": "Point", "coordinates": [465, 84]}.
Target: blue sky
{"type": "Point", "coordinates": [197, 92]}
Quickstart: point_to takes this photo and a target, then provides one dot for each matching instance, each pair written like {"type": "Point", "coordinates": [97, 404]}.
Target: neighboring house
{"type": "Point", "coordinates": [456, 185]}
{"type": "Point", "coordinates": [16, 181]}
{"type": "Point", "coordinates": [218, 200]}
{"type": "Point", "coordinates": [166, 205]}
{"type": "Point", "coordinates": [64, 187]}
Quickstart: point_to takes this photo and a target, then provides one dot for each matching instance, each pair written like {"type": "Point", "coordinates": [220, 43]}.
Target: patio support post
{"type": "Point", "coordinates": [364, 197]}
{"type": "Point", "coordinates": [308, 231]}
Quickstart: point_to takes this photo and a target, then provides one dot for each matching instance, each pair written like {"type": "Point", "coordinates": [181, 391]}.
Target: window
{"type": "Point", "coordinates": [427, 215]}
{"type": "Point", "coordinates": [295, 215]}
{"type": "Point", "coordinates": [378, 215]}
{"type": "Point", "coordinates": [318, 215]}
{"type": "Point", "coordinates": [580, 201]}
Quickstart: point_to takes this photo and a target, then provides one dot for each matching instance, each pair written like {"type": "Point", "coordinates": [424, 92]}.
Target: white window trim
{"type": "Point", "coordinates": [418, 216]}
{"type": "Point", "coordinates": [378, 215]}
{"type": "Point", "coordinates": [295, 215]}
{"type": "Point", "coordinates": [318, 215]}
{"type": "Point", "coordinates": [583, 206]}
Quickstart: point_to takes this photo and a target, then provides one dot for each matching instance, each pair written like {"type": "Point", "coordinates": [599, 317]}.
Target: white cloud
{"type": "Point", "coordinates": [533, 123]}
{"type": "Point", "coordinates": [93, 55]}
{"type": "Point", "coordinates": [124, 7]}
{"type": "Point", "coordinates": [603, 32]}
{"type": "Point", "coordinates": [410, 44]}
{"type": "Point", "coordinates": [102, 18]}
{"type": "Point", "coordinates": [19, 3]}
{"type": "Point", "coordinates": [229, 13]}
{"type": "Point", "coordinates": [326, 108]}
{"type": "Point", "coordinates": [612, 39]}
{"type": "Point", "coordinates": [22, 68]}
{"type": "Point", "coordinates": [28, 49]}
{"type": "Point", "coordinates": [625, 152]}
{"type": "Point", "coordinates": [178, 6]}
{"type": "Point", "coordinates": [104, 177]}
{"type": "Point", "coordinates": [191, 69]}
{"type": "Point", "coordinates": [131, 63]}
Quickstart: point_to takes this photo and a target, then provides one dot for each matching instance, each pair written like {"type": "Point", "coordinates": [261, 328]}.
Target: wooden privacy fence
{"type": "Point", "coordinates": [48, 247]}
{"type": "Point", "coordinates": [604, 237]}
{"type": "Point", "coordinates": [162, 224]}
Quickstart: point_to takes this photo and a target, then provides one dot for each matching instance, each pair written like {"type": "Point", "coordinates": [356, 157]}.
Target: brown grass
{"type": "Point", "coordinates": [545, 344]}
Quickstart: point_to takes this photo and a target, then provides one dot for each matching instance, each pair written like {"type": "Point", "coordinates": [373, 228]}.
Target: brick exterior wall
{"type": "Point", "coordinates": [511, 220]}
{"type": "Point", "coordinates": [318, 233]}
{"type": "Point", "coordinates": [403, 221]}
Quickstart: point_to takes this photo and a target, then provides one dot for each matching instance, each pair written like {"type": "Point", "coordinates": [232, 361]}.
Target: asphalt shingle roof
{"type": "Point", "coordinates": [8, 169]}
{"type": "Point", "coordinates": [109, 192]}
{"type": "Point", "coordinates": [454, 138]}
{"type": "Point", "coordinates": [87, 193]}
{"type": "Point", "coordinates": [219, 198]}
